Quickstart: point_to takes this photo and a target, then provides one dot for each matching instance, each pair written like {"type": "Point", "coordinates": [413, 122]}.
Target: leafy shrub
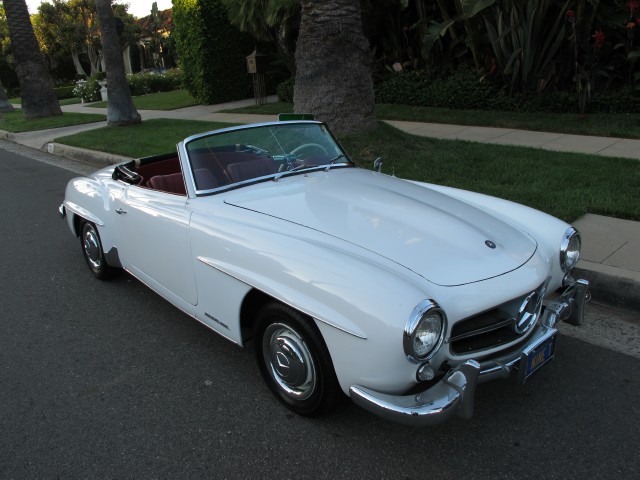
{"type": "Point", "coordinates": [285, 90]}
{"type": "Point", "coordinates": [463, 89]}
{"type": "Point", "coordinates": [211, 52]}
{"type": "Point", "coordinates": [87, 90]}
{"type": "Point", "coordinates": [152, 82]}
{"type": "Point", "coordinates": [64, 92]}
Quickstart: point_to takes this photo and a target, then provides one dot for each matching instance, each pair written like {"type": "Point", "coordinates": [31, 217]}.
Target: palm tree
{"type": "Point", "coordinates": [120, 108]}
{"type": "Point", "coordinates": [333, 66]}
{"type": "Point", "coordinates": [36, 86]}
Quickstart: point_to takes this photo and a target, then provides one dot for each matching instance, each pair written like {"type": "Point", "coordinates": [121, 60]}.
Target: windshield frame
{"type": "Point", "coordinates": [345, 160]}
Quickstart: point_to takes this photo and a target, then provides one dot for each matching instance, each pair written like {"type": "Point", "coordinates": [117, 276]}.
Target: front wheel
{"type": "Point", "coordinates": [94, 254]}
{"type": "Point", "coordinates": [294, 360]}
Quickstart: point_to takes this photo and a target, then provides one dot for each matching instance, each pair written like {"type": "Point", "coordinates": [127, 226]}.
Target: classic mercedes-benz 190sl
{"type": "Point", "coordinates": [402, 295]}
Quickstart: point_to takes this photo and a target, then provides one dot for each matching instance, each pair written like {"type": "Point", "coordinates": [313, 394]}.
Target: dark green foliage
{"type": "Point", "coordinates": [145, 83]}
{"type": "Point", "coordinates": [566, 185]}
{"type": "Point", "coordinates": [211, 52]}
{"type": "Point", "coordinates": [285, 90]}
{"type": "Point", "coordinates": [64, 92]}
{"type": "Point", "coordinates": [463, 89]}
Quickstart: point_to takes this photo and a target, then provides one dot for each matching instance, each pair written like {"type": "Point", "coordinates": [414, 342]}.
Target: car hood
{"type": "Point", "coordinates": [445, 240]}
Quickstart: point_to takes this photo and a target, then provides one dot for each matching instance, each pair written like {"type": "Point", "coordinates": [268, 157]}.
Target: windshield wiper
{"type": "Point", "coordinates": [333, 161]}
{"type": "Point", "coordinates": [294, 169]}
{"type": "Point", "coordinates": [326, 167]}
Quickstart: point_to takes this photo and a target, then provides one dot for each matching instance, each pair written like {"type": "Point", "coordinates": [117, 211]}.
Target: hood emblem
{"type": "Point", "coordinates": [489, 244]}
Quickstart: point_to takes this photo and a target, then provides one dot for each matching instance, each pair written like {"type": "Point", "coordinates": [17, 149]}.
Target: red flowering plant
{"type": "Point", "coordinates": [604, 41]}
{"type": "Point", "coordinates": [586, 56]}
{"type": "Point", "coordinates": [633, 33]}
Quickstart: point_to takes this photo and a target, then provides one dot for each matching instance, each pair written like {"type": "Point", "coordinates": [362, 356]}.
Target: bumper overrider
{"type": "Point", "coordinates": [454, 394]}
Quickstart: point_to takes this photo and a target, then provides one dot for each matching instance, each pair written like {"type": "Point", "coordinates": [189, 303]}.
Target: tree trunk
{"type": "Point", "coordinates": [120, 108]}
{"type": "Point", "coordinates": [75, 56]}
{"type": "Point", "coordinates": [36, 86]}
{"type": "Point", "coordinates": [5, 105]}
{"type": "Point", "coordinates": [94, 59]}
{"type": "Point", "coordinates": [333, 66]}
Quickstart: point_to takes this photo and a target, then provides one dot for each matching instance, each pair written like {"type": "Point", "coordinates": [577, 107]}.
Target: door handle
{"type": "Point", "coordinates": [120, 211]}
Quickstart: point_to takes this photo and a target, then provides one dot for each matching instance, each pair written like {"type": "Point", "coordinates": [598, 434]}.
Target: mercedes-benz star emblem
{"type": "Point", "coordinates": [527, 313]}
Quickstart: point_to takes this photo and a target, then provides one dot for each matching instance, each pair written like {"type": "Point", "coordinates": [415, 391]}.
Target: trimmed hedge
{"type": "Point", "coordinates": [64, 92]}
{"type": "Point", "coordinates": [285, 90]}
{"type": "Point", "coordinates": [463, 90]}
{"type": "Point", "coordinates": [151, 82]}
{"type": "Point", "coordinates": [211, 52]}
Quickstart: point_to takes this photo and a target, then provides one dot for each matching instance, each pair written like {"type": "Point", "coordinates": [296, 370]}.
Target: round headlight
{"type": "Point", "coordinates": [570, 249]}
{"type": "Point", "coordinates": [424, 331]}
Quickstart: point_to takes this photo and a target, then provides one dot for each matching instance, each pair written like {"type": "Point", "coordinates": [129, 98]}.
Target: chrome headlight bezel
{"type": "Point", "coordinates": [570, 249]}
{"type": "Point", "coordinates": [421, 313]}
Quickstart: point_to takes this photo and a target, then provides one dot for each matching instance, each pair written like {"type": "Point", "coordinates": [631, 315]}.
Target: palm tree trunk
{"type": "Point", "coordinates": [120, 108]}
{"type": "Point", "coordinates": [36, 86]}
{"type": "Point", "coordinates": [333, 66]}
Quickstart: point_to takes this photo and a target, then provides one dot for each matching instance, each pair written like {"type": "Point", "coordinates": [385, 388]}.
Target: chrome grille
{"type": "Point", "coordinates": [499, 326]}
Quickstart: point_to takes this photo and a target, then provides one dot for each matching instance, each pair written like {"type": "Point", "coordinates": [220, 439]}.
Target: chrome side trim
{"type": "Point", "coordinates": [214, 265]}
{"type": "Point", "coordinates": [86, 214]}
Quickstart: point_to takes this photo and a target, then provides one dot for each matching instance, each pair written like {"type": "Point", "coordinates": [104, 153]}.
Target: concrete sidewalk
{"type": "Point", "coordinates": [610, 260]}
{"type": "Point", "coordinates": [607, 146]}
{"type": "Point", "coordinates": [611, 247]}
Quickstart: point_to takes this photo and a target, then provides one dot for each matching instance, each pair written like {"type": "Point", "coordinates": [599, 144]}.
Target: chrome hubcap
{"type": "Point", "coordinates": [92, 248]}
{"type": "Point", "coordinates": [289, 361]}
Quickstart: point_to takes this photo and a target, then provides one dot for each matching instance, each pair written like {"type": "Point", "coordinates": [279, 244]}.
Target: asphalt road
{"type": "Point", "coordinates": [107, 380]}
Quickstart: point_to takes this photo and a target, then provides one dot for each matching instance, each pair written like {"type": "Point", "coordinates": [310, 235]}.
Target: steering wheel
{"type": "Point", "coordinates": [306, 146]}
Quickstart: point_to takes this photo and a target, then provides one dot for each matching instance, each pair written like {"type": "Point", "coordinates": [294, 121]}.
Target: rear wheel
{"type": "Point", "coordinates": [294, 360]}
{"type": "Point", "coordinates": [94, 254]}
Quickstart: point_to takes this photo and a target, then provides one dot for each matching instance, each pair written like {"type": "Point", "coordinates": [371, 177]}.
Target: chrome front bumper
{"type": "Point", "coordinates": [454, 394]}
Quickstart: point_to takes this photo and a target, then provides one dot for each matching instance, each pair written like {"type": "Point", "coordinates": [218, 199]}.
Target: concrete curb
{"type": "Point", "coordinates": [8, 136]}
{"type": "Point", "coordinates": [611, 286]}
{"type": "Point", "coordinates": [84, 155]}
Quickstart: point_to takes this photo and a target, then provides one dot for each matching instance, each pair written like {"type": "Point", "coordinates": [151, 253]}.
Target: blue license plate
{"type": "Point", "coordinates": [537, 357]}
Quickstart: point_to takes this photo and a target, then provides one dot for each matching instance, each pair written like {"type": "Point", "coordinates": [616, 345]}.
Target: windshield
{"type": "Point", "coordinates": [269, 151]}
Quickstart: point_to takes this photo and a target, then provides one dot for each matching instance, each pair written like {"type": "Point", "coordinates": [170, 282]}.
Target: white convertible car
{"type": "Point", "coordinates": [402, 295]}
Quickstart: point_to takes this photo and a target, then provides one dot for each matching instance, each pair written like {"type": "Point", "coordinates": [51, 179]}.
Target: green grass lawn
{"type": "Point", "coordinates": [151, 137]}
{"type": "Point", "coordinates": [566, 185]}
{"type": "Point", "coordinates": [623, 125]}
{"type": "Point", "coordinates": [159, 101]}
{"type": "Point", "coordinates": [15, 121]}
{"type": "Point", "coordinates": [65, 101]}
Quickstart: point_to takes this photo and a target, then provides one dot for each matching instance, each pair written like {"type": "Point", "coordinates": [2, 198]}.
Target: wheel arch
{"type": "Point", "coordinates": [252, 303]}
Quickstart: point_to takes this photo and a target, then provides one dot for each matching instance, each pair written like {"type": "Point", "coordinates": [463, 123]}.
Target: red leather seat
{"type": "Point", "coordinates": [250, 169]}
{"type": "Point", "coordinates": [172, 183]}
{"type": "Point", "coordinates": [205, 180]}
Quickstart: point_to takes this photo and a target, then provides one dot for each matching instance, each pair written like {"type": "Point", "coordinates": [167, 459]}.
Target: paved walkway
{"type": "Point", "coordinates": [611, 247]}
{"type": "Point", "coordinates": [607, 146]}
